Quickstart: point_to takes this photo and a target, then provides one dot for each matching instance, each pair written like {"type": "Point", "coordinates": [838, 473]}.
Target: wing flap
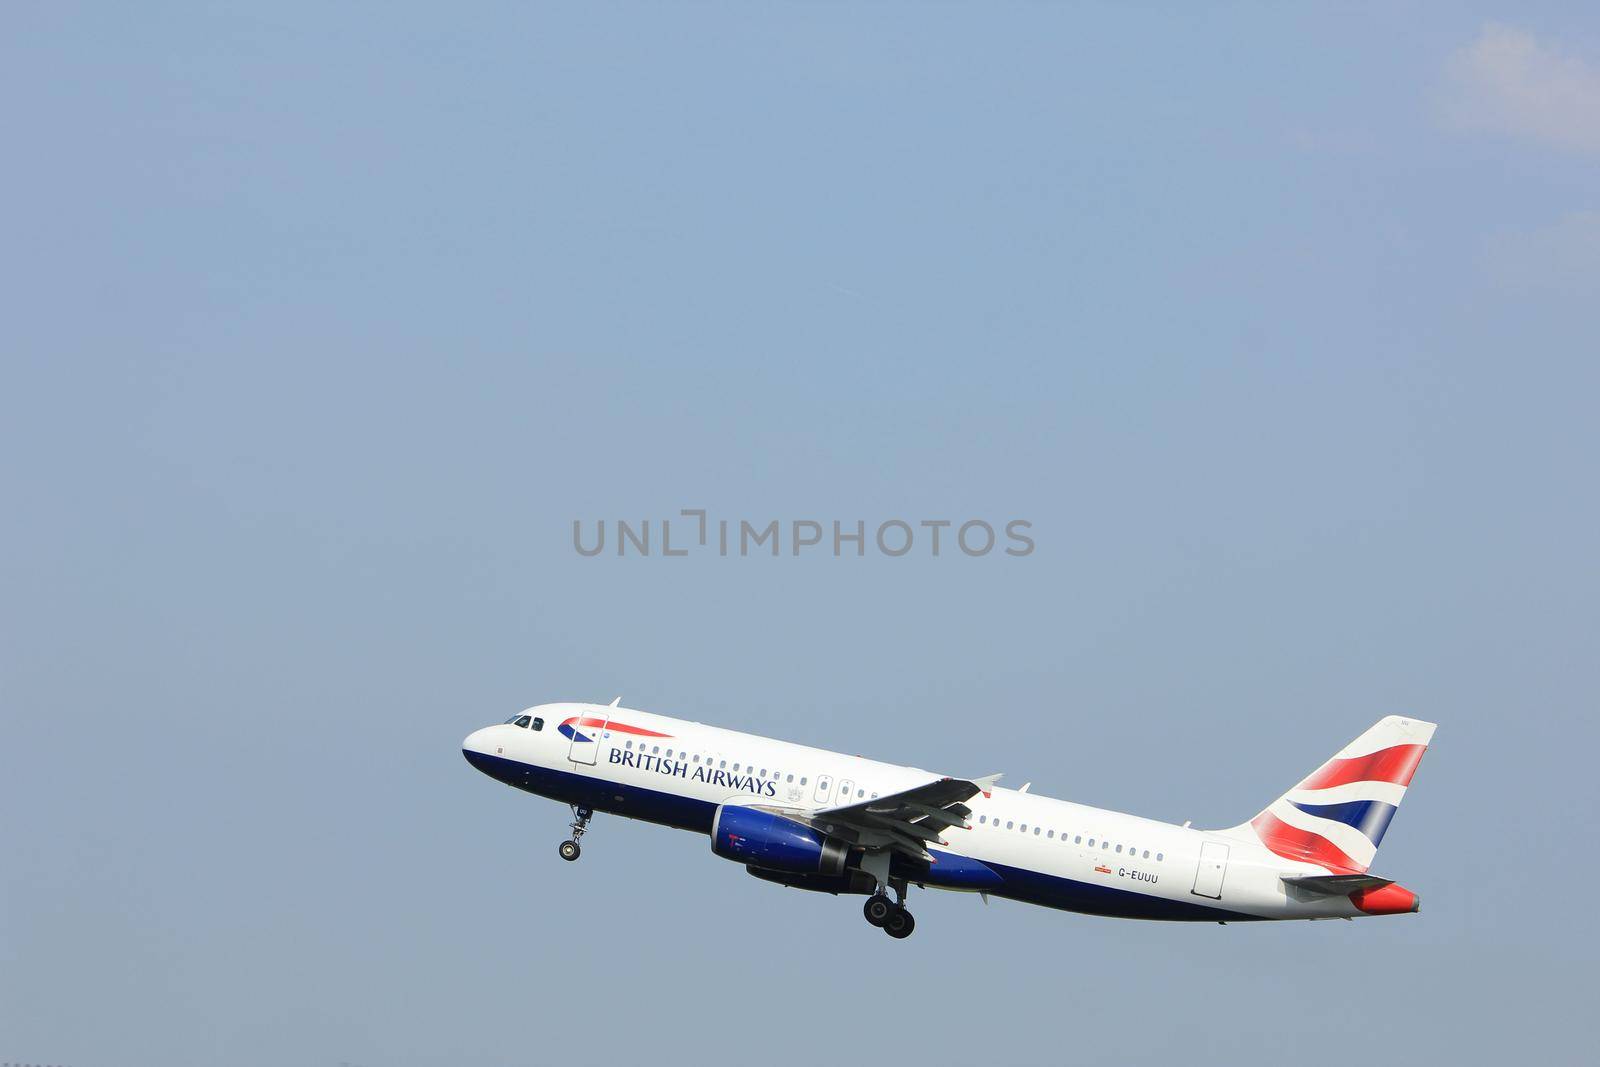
{"type": "Point", "coordinates": [904, 821]}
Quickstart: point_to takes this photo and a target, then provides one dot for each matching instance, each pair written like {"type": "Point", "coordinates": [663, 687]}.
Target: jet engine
{"type": "Point", "coordinates": [773, 843]}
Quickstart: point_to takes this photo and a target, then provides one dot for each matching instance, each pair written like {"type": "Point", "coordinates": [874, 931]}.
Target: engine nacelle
{"type": "Point", "coordinates": [774, 843]}
{"type": "Point", "coordinates": [851, 881]}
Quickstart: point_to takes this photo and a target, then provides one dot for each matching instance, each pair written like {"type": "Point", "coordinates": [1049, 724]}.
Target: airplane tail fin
{"type": "Point", "coordinates": [1336, 817]}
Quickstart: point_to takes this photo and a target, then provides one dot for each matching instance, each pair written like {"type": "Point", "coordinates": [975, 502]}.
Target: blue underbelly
{"type": "Point", "coordinates": [949, 872]}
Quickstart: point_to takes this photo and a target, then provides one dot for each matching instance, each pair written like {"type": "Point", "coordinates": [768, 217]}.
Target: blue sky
{"type": "Point", "coordinates": [324, 326]}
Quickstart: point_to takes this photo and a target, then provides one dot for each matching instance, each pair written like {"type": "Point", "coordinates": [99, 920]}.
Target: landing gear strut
{"type": "Point", "coordinates": [890, 916]}
{"type": "Point", "coordinates": [570, 850]}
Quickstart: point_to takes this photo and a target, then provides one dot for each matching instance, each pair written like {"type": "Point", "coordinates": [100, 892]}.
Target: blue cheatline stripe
{"type": "Point", "coordinates": [688, 813]}
{"type": "Point", "coordinates": [1371, 817]}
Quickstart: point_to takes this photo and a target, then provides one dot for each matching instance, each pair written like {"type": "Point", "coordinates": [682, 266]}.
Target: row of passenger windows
{"type": "Point", "coordinates": [526, 722]}
{"type": "Point", "coordinates": [655, 750]}
{"type": "Point", "coordinates": [747, 768]}
{"type": "Point", "coordinates": [1077, 839]}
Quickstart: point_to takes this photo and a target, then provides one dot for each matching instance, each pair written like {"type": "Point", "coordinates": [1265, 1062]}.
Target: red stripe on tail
{"type": "Point", "coordinates": [1395, 765]}
{"type": "Point", "coordinates": [1293, 843]}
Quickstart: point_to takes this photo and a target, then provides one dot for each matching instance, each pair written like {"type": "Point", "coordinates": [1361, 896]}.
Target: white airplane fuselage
{"type": "Point", "coordinates": [1011, 844]}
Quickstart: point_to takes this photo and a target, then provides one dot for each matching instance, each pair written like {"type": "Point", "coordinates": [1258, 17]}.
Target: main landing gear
{"type": "Point", "coordinates": [570, 850]}
{"type": "Point", "coordinates": [890, 917]}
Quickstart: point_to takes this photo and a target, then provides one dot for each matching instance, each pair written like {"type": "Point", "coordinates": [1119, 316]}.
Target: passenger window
{"type": "Point", "coordinates": [1035, 831]}
{"type": "Point", "coordinates": [1091, 842]}
{"type": "Point", "coordinates": [1105, 845]}
{"type": "Point", "coordinates": [802, 781]}
{"type": "Point", "coordinates": [655, 750]}
{"type": "Point", "coordinates": [860, 793]}
{"type": "Point", "coordinates": [736, 766]}
{"type": "Point", "coordinates": [697, 757]}
{"type": "Point", "coordinates": [538, 724]}
{"type": "Point", "coordinates": [1119, 849]}
{"type": "Point", "coordinates": [1009, 824]}
{"type": "Point", "coordinates": [1079, 840]}
{"type": "Point", "coordinates": [1051, 835]}
{"type": "Point", "coordinates": [983, 818]}
{"type": "Point", "coordinates": [723, 765]}
{"type": "Point", "coordinates": [669, 753]}
{"type": "Point", "coordinates": [1146, 854]}
{"type": "Point", "coordinates": [1159, 857]}
{"type": "Point", "coordinates": [791, 778]}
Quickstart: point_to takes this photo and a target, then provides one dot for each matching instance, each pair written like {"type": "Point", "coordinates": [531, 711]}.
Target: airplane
{"type": "Point", "coordinates": [828, 822]}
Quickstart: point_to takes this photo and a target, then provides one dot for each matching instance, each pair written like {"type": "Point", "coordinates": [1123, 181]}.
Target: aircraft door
{"type": "Point", "coordinates": [587, 732]}
{"type": "Point", "coordinates": [824, 787]}
{"type": "Point", "coordinates": [846, 791]}
{"type": "Point", "coordinates": [1213, 865]}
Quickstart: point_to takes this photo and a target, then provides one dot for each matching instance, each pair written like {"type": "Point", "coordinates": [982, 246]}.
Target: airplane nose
{"type": "Point", "coordinates": [480, 750]}
{"type": "Point", "coordinates": [475, 744]}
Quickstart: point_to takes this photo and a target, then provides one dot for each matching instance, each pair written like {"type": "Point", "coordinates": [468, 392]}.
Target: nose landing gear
{"type": "Point", "coordinates": [570, 850]}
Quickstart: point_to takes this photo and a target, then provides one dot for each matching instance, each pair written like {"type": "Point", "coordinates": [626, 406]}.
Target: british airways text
{"type": "Point", "coordinates": [678, 769]}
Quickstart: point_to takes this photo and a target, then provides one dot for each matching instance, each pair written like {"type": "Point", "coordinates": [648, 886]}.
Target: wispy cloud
{"type": "Point", "coordinates": [1507, 81]}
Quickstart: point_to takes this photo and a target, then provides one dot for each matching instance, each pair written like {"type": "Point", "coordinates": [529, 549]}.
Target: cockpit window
{"type": "Point", "coordinates": [511, 720]}
{"type": "Point", "coordinates": [522, 721]}
{"type": "Point", "coordinates": [538, 724]}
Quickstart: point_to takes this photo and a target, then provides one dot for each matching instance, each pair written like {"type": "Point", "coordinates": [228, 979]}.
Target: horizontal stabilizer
{"type": "Point", "coordinates": [1336, 885]}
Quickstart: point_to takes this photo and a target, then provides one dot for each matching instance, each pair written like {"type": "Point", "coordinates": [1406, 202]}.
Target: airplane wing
{"type": "Point", "coordinates": [907, 821]}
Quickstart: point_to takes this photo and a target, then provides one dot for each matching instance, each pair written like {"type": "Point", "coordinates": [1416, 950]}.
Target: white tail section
{"type": "Point", "coordinates": [1336, 816]}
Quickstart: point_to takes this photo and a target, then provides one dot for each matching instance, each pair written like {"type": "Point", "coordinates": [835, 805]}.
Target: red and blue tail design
{"type": "Point", "coordinates": [1337, 816]}
{"type": "Point", "coordinates": [591, 725]}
